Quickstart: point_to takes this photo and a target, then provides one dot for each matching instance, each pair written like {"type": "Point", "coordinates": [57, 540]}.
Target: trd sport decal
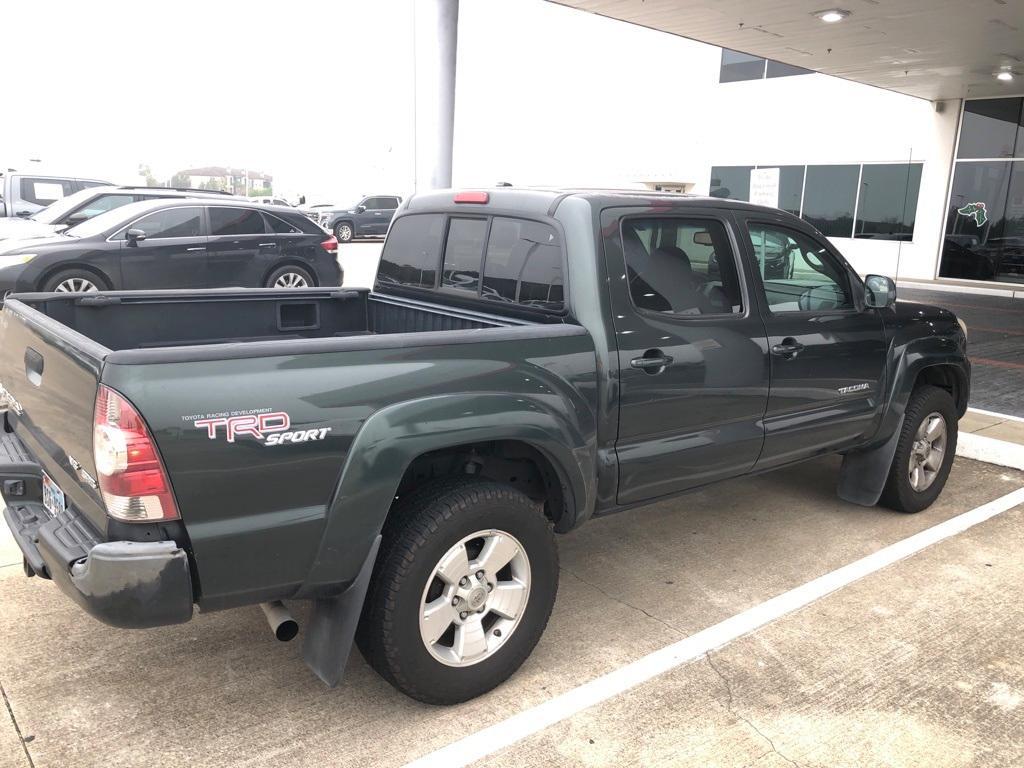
{"type": "Point", "coordinates": [269, 427]}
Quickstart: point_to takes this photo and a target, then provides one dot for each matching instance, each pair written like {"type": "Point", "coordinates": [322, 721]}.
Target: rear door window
{"type": "Point", "coordinates": [44, 191]}
{"type": "Point", "coordinates": [523, 264]}
{"type": "Point", "coordinates": [235, 221]}
{"type": "Point", "coordinates": [681, 266]}
{"type": "Point", "coordinates": [463, 254]}
{"type": "Point", "coordinates": [412, 252]}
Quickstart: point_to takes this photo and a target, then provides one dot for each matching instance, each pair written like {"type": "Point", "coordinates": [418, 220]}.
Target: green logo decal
{"type": "Point", "coordinates": [975, 211]}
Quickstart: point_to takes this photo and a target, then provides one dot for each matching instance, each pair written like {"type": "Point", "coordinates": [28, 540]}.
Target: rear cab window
{"type": "Point", "coordinates": [490, 259]}
{"type": "Point", "coordinates": [42, 191]}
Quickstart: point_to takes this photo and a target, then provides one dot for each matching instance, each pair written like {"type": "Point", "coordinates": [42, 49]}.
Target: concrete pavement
{"type": "Point", "coordinates": [220, 691]}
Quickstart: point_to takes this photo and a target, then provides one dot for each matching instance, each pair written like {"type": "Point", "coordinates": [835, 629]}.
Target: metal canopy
{"type": "Point", "coordinates": [934, 49]}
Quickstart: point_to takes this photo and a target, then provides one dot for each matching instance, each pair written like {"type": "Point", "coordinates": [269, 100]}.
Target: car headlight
{"type": "Point", "coordinates": [14, 259]}
{"type": "Point", "coordinates": [963, 326]}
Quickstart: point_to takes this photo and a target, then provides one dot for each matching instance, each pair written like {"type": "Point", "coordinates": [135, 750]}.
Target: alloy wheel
{"type": "Point", "coordinates": [475, 598]}
{"type": "Point", "coordinates": [76, 285]}
{"type": "Point", "coordinates": [927, 452]}
{"type": "Point", "coordinates": [291, 280]}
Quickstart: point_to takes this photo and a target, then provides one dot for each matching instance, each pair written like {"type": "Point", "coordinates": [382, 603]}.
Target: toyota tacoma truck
{"type": "Point", "coordinates": [402, 457]}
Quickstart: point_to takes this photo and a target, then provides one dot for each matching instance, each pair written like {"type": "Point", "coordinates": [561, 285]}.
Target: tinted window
{"type": "Point", "coordinates": [463, 253]}
{"type": "Point", "coordinates": [45, 191]}
{"type": "Point", "coordinates": [778, 69]}
{"type": "Point", "coordinates": [791, 188]}
{"type": "Point", "coordinates": [740, 66]}
{"type": "Point", "coordinates": [798, 273]}
{"type": "Point", "coordinates": [412, 251]}
{"type": "Point", "coordinates": [275, 201]}
{"type": "Point", "coordinates": [279, 226]}
{"type": "Point", "coordinates": [992, 128]}
{"type": "Point", "coordinates": [681, 266]}
{"type": "Point", "coordinates": [887, 206]}
{"type": "Point", "coordinates": [102, 204]}
{"type": "Point", "coordinates": [732, 181]}
{"type": "Point", "coordinates": [235, 221]}
{"type": "Point", "coordinates": [173, 222]}
{"type": "Point", "coordinates": [985, 222]}
{"type": "Point", "coordinates": [829, 196]}
{"type": "Point", "coordinates": [523, 264]}
{"type": "Point", "coordinates": [372, 203]}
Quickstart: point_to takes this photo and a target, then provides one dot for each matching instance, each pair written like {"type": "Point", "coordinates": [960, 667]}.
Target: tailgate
{"type": "Point", "coordinates": [51, 375]}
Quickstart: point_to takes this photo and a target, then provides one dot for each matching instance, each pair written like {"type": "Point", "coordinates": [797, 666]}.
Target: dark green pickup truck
{"type": "Point", "coordinates": [401, 457]}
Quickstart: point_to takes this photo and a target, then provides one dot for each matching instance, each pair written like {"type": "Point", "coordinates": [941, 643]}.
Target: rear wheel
{"type": "Point", "coordinates": [344, 231]}
{"type": "Point", "coordinates": [290, 276]}
{"type": "Point", "coordinates": [925, 451]}
{"type": "Point", "coordinates": [462, 589]}
{"type": "Point", "coordinates": [74, 281]}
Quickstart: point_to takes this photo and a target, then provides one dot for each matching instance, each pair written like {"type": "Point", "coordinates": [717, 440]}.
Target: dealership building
{"type": "Point", "coordinates": [895, 128]}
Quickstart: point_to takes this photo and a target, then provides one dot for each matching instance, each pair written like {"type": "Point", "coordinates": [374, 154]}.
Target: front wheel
{"type": "Point", "coordinates": [344, 232]}
{"type": "Point", "coordinates": [924, 453]}
{"type": "Point", "coordinates": [462, 589]}
{"type": "Point", "coordinates": [74, 281]}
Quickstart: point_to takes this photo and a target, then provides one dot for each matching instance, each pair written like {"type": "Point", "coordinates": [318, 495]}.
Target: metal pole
{"type": "Point", "coordinates": [437, 33]}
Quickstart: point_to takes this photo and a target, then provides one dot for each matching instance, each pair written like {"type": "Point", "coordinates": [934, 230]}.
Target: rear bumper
{"type": "Point", "coordinates": [122, 583]}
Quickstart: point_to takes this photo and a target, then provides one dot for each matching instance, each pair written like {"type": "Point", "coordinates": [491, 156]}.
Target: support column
{"type": "Point", "coordinates": [437, 35]}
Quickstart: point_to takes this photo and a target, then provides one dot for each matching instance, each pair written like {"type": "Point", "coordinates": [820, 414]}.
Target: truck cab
{"type": "Point", "coordinates": [23, 194]}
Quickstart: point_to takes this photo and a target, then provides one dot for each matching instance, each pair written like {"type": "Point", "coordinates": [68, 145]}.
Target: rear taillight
{"type": "Point", "coordinates": [132, 478]}
{"type": "Point", "coordinates": [330, 245]}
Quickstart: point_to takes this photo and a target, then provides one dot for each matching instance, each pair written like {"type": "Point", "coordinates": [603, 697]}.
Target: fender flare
{"type": "Point", "coordinates": [394, 436]}
{"type": "Point", "coordinates": [864, 472]}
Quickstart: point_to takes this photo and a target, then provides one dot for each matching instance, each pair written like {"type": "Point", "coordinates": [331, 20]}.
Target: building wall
{"type": "Point", "coordinates": [821, 120]}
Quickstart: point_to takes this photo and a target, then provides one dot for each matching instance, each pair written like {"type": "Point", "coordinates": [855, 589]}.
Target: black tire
{"type": "Point", "coordinates": [343, 235]}
{"type": "Point", "coordinates": [421, 529]}
{"type": "Point", "coordinates": [285, 271]}
{"type": "Point", "coordinates": [53, 282]}
{"type": "Point", "coordinates": [899, 494]}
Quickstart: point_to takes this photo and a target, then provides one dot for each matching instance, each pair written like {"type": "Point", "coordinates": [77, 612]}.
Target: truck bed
{"type": "Point", "coordinates": [186, 318]}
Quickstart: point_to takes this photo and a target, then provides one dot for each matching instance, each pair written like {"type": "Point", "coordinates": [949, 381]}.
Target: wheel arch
{"type": "Point", "coordinates": [71, 266]}
{"type": "Point", "coordinates": [292, 262]}
{"type": "Point", "coordinates": [433, 437]}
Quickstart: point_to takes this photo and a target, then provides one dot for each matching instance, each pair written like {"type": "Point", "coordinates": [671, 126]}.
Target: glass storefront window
{"type": "Point", "coordinates": [992, 128]}
{"type": "Point", "coordinates": [887, 206]}
{"type": "Point", "coordinates": [829, 196]}
{"type": "Point", "coordinates": [731, 181]}
{"type": "Point", "coordinates": [976, 221]}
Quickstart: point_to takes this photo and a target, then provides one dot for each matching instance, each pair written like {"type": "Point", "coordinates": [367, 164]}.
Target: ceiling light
{"type": "Point", "coordinates": [1004, 75]}
{"type": "Point", "coordinates": [833, 15]}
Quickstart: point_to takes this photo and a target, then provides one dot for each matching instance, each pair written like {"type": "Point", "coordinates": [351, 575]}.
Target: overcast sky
{"type": "Point", "coordinates": [320, 94]}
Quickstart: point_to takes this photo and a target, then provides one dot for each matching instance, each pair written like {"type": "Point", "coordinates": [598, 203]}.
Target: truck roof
{"type": "Point", "coordinates": [537, 201]}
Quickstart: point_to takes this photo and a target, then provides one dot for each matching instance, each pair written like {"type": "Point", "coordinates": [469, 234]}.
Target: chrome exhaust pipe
{"type": "Point", "coordinates": [282, 624]}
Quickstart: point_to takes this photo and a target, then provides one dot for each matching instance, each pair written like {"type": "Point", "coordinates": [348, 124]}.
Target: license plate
{"type": "Point", "coordinates": [53, 497]}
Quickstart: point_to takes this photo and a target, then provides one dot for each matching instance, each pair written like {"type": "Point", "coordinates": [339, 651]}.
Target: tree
{"type": "Point", "coordinates": [146, 173]}
{"type": "Point", "coordinates": [180, 180]}
{"type": "Point", "coordinates": [215, 184]}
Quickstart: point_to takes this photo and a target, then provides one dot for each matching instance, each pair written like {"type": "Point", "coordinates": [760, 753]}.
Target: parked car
{"type": "Point", "coordinates": [22, 194]}
{"type": "Point", "coordinates": [401, 457]}
{"type": "Point", "coordinates": [270, 201]}
{"type": "Point", "coordinates": [369, 217]}
{"type": "Point", "coordinates": [84, 204]}
{"type": "Point", "coordinates": [187, 242]}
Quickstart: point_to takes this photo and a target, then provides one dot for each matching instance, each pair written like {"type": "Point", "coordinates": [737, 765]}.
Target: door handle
{"type": "Point", "coordinates": [197, 248]}
{"type": "Point", "coordinates": [653, 361]}
{"type": "Point", "coordinates": [266, 245]}
{"type": "Point", "coordinates": [789, 348]}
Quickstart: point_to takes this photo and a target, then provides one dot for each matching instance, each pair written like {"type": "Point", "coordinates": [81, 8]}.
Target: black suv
{"type": "Point", "coordinates": [183, 243]}
{"type": "Point", "coordinates": [370, 217]}
{"type": "Point", "coordinates": [84, 204]}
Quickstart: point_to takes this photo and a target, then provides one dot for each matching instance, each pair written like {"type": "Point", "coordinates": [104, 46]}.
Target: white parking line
{"type": "Point", "coordinates": [530, 721]}
{"type": "Point", "coordinates": [990, 450]}
{"type": "Point", "coordinates": [1003, 416]}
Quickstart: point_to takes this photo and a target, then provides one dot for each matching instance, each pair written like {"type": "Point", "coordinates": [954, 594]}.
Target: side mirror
{"type": "Point", "coordinates": [76, 218]}
{"type": "Point", "coordinates": [134, 236]}
{"type": "Point", "coordinates": [360, 209]}
{"type": "Point", "coordinates": [23, 214]}
{"type": "Point", "coordinates": [879, 291]}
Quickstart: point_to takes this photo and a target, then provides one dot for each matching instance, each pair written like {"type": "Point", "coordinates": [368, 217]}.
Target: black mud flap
{"type": "Point", "coordinates": [863, 473]}
{"type": "Point", "coordinates": [332, 627]}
